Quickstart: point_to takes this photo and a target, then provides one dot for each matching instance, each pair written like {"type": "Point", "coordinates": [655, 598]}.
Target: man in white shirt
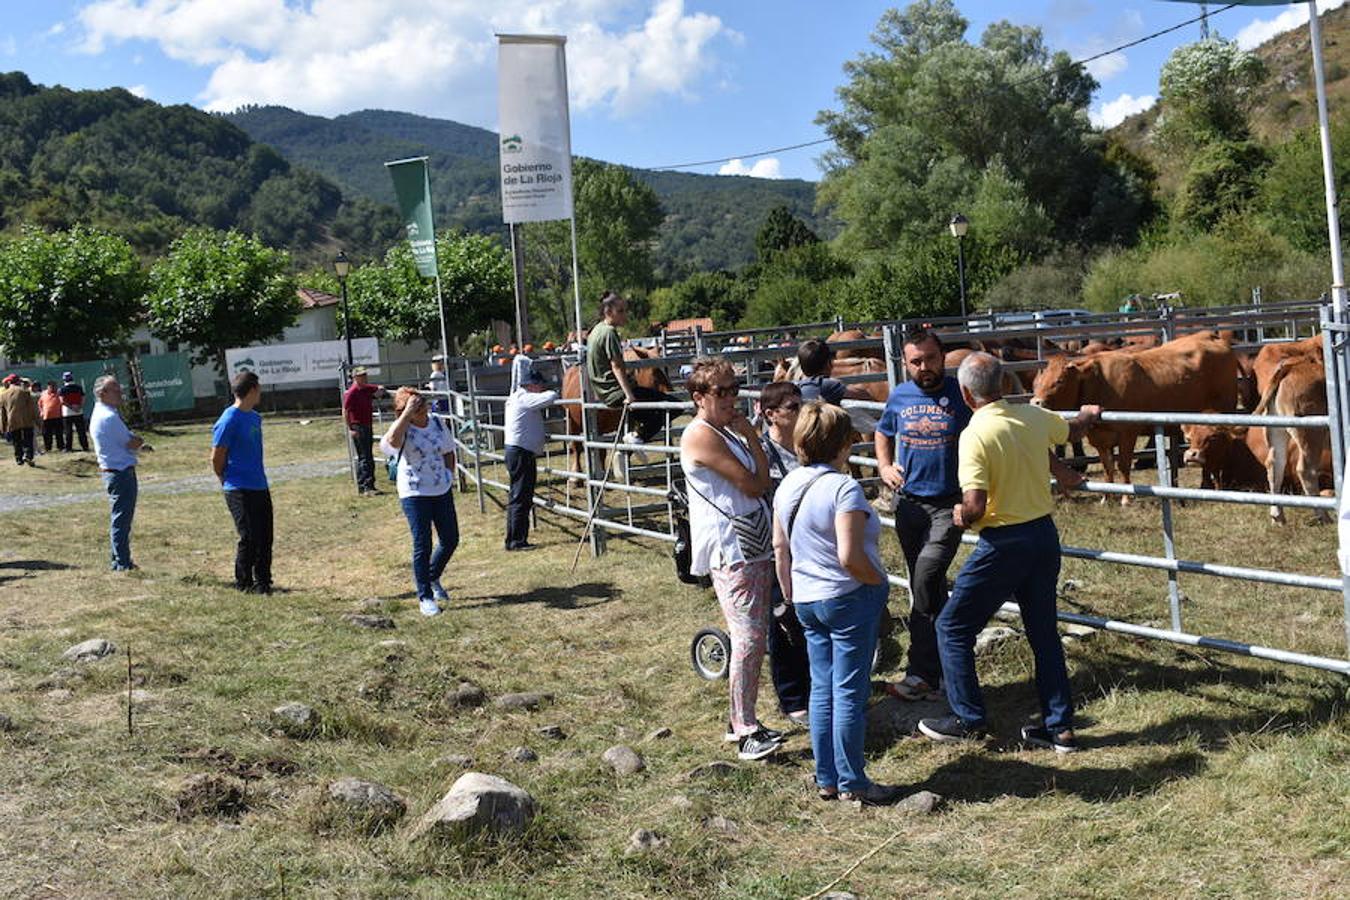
{"type": "Point", "coordinates": [525, 439]}
{"type": "Point", "coordinates": [439, 384]}
{"type": "Point", "coordinates": [115, 446]}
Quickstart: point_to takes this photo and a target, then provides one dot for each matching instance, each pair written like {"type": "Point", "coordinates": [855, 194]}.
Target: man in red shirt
{"type": "Point", "coordinates": [358, 410]}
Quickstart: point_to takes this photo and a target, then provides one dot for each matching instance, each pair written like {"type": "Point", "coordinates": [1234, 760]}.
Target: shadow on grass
{"type": "Point", "coordinates": [552, 597]}
{"type": "Point", "coordinates": [978, 778]}
{"type": "Point", "coordinates": [1240, 700]}
{"type": "Point", "coordinates": [30, 565]}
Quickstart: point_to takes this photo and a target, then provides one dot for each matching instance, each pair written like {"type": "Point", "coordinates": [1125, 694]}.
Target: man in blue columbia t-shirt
{"type": "Point", "coordinates": [237, 458]}
{"type": "Point", "coordinates": [916, 443]}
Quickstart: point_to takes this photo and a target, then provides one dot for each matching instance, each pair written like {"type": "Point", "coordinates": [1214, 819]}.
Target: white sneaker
{"type": "Point", "coordinates": [429, 607]}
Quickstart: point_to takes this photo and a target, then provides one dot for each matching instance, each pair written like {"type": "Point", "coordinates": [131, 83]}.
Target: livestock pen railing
{"type": "Point", "coordinates": [639, 504]}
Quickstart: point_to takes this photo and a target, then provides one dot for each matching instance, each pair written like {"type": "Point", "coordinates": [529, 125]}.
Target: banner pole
{"type": "Point", "coordinates": [518, 266]}
{"type": "Point", "coordinates": [440, 306]}
{"type": "Point", "coordinates": [1338, 291]}
{"type": "Point", "coordinates": [576, 279]}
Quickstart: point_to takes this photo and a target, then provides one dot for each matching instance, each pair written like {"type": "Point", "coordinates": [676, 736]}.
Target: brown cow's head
{"type": "Point", "coordinates": [1057, 386]}
{"type": "Point", "coordinates": [1209, 444]}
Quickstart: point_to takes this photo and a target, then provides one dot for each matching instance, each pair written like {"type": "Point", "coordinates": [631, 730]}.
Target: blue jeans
{"type": "Point", "coordinates": [841, 637]}
{"type": "Point", "coordinates": [423, 513]}
{"type": "Point", "coordinates": [1022, 562]}
{"type": "Point", "coordinates": [122, 490]}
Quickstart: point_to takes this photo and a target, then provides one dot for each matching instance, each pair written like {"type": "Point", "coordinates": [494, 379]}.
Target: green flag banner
{"type": "Point", "coordinates": [167, 378]}
{"type": "Point", "coordinates": [412, 185]}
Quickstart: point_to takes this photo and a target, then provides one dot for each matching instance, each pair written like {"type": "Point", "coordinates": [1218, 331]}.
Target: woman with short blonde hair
{"type": "Point", "coordinates": [829, 565]}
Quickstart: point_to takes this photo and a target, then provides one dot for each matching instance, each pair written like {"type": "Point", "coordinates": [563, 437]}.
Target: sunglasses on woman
{"type": "Point", "coordinates": [723, 390]}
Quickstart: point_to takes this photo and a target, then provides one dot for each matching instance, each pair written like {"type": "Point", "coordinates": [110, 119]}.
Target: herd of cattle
{"type": "Point", "coordinates": [1199, 372]}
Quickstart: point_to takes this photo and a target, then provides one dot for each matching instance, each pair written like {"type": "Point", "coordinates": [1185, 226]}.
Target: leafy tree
{"type": "Point", "coordinates": [710, 294]}
{"type": "Point", "coordinates": [925, 116]}
{"type": "Point", "coordinates": [782, 231]}
{"type": "Point", "coordinates": [390, 299]}
{"type": "Point", "coordinates": [68, 295]}
{"type": "Point", "coordinates": [1291, 195]}
{"type": "Point", "coordinates": [1207, 91]}
{"type": "Point", "coordinates": [217, 290]}
{"type": "Point", "coordinates": [1222, 180]}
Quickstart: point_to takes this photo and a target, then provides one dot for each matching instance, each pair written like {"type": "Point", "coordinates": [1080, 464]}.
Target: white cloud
{"type": "Point", "coordinates": [1108, 67]}
{"type": "Point", "coordinates": [139, 90]}
{"type": "Point", "coordinates": [332, 56]}
{"type": "Point", "coordinates": [58, 29]}
{"type": "Point", "coordinates": [768, 167]}
{"type": "Point", "coordinates": [1112, 113]}
{"type": "Point", "coordinates": [1262, 30]}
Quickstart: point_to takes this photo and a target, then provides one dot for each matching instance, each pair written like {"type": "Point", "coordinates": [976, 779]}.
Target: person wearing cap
{"type": "Point", "coordinates": [358, 410]}
{"type": "Point", "coordinates": [49, 407]}
{"type": "Point", "coordinates": [525, 439]}
{"type": "Point", "coordinates": [115, 446]}
{"type": "Point", "coordinates": [72, 412]}
{"type": "Point", "coordinates": [439, 384]}
{"type": "Point", "coordinates": [18, 417]}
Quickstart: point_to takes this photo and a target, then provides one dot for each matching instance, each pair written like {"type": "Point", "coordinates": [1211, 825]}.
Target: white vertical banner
{"type": "Point", "coordinates": [536, 130]}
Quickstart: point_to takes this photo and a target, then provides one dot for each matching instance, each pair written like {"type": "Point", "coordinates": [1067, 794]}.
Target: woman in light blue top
{"type": "Point", "coordinates": [829, 566]}
{"type": "Point", "coordinates": [425, 450]}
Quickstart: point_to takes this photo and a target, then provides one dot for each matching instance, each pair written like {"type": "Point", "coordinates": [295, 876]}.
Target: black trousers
{"type": "Point", "coordinates": [73, 424]}
{"type": "Point", "coordinates": [252, 512]}
{"type": "Point", "coordinates": [524, 472]}
{"type": "Point", "coordinates": [788, 665]}
{"type": "Point", "coordinates": [52, 431]}
{"type": "Point", "coordinates": [929, 541]}
{"type": "Point", "coordinates": [647, 422]}
{"type": "Point", "coordinates": [23, 445]}
{"type": "Point", "coordinates": [363, 436]}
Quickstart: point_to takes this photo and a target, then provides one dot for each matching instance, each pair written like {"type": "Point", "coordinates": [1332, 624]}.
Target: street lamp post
{"type": "Point", "coordinates": [959, 225]}
{"type": "Point", "coordinates": [342, 266]}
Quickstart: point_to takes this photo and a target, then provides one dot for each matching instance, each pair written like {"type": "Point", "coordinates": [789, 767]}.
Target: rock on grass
{"type": "Point", "coordinates": [624, 760]}
{"type": "Point", "coordinates": [528, 700]}
{"type": "Point", "coordinates": [475, 803]}
{"type": "Point", "coordinates": [716, 769]}
{"type": "Point", "coordinates": [366, 804]}
{"type": "Point", "coordinates": [91, 650]}
{"type": "Point", "coordinates": [922, 803]}
{"type": "Point", "coordinates": [644, 841]}
{"type": "Point", "coordinates": [209, 795]}
{"type": "Point", "coordinates": [296, 719]}
{"type": "Point", "coordinates": [361, 620]}
{"type": "Point", "coordinates": [467, 694]}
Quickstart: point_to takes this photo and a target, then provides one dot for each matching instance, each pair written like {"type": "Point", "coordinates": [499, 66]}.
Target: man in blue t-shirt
{"type": "Point", "coordinates": [237, 457]}
{"type": "Point", "coordinates": [916, 442]}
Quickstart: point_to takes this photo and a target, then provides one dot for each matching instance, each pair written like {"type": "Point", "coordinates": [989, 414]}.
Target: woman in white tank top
{"type": "Point", "coordinates": [730, 530]}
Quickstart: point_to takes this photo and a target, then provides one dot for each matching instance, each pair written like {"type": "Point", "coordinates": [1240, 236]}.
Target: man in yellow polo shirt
{"type": "Point", "coordinates": [1004, 472]}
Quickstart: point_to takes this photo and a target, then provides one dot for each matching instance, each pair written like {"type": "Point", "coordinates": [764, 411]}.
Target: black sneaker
{"type": "Point", "coordinates": [1040, 736]}
{"type": "Point", "coordinates": [772, 734]}
{"type": "Point", "coordinates": [873, 795]}
{"type": "Point", "coordinates": [757, 746]}
{"type": "Point", "coordinates": [951, 729]}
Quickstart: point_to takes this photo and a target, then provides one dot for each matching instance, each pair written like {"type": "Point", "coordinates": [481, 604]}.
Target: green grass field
{"type": "Point", "coordinates": [1207, 775]}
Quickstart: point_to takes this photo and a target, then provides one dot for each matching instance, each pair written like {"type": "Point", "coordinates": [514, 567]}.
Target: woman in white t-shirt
{"type": "Point", "coordinates": [829, 565]}
{"type": "Point", "coordinates": [424, 447]}
{"type": "Point", "coordinates": [730, 534]}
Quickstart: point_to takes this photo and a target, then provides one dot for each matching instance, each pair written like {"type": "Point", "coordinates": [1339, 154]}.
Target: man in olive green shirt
{"type": "Point", "coordinates": [610, 381]}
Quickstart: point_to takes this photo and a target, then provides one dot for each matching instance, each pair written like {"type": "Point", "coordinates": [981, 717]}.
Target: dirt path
{"type": "Point", "coordinates": [193, 484]}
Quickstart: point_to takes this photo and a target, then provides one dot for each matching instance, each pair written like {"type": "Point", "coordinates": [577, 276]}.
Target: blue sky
{"type": "Point", "coordinates": [654, 82]}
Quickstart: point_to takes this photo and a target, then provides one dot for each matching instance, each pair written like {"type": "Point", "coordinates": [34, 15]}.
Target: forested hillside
{"type": "Point", "coordinates": [147, 172]}
{"type": "Point", "coordinates": [710, 221]}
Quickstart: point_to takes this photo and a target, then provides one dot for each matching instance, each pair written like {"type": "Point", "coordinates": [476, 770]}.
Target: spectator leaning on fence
{"type": "Point", "coordinates": [525, 439]}
{"type": "Point", "coordinates": [826, 549]}
{"type": "Point", "coordinates": [72, 412]}
{"type": "Point", "coordinates": [1005, 480]}
{"type": "Point", "coordinates": [916, 446]}
{"type": "Point", "coordinates": [423, 449]}
{"type": "Point", "coordinates": [438, 383]}
{"type": "Point", "coordinates": [358, 408]}
{"type": "Point", "coordinates": [727, 476]}
{"type": "Point", "coordinates": [49, 405]}
{"type": "Point", "coordinates": [815, 359]}
{"type": "Point", "coordinates": [18, 418]}
{"type": "Point", "coordinates": [237, 458]}
{"type": "Point", "coordinates": [779, 404]}
{"type": "Point", "coordinates": [115, 447]}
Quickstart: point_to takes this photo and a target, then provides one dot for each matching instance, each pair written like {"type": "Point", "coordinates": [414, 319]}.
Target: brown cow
{"type": "Point", "coordinates": [843, 367]}
{"type": "Point", "coordinates": [1190, 374]}
{"type": "Point", "coordinates": [606, 420]}
{"type": "Point", "coordinates": [854, 334]}
{"type": "Point", "coordinates": [1233, 458]}
{"type": "Point", "coordinates": [1298, 387]}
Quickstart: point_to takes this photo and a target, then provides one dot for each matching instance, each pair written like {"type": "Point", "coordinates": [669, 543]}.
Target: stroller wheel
{"type": "Point", "coordinates": [710, 652]}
